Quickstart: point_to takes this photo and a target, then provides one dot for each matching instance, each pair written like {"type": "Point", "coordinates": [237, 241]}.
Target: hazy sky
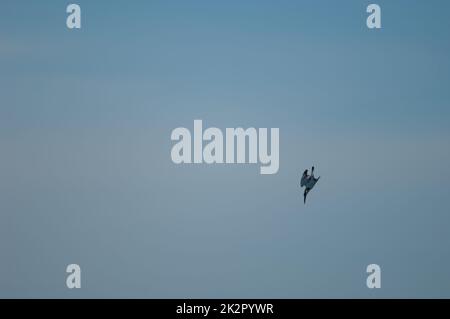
{"type": "Point", "coordinates": [86, 175]}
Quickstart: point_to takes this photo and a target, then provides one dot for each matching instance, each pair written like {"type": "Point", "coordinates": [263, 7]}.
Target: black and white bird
{"type": "Point", "coordinates": [308, 181]}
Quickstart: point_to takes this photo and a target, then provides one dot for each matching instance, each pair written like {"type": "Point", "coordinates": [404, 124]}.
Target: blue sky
{"type": "Point", "coordinates": [86, 175]}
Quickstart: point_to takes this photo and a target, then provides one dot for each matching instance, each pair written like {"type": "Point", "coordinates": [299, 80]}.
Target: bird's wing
{"type": "Point", "coordinates": [303, 181]}
{"type": "Point", "coordinates": [311, 182]}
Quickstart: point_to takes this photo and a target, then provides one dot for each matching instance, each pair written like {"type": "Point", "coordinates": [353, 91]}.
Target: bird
{"type": "Point", "coordinates": [308, 181]}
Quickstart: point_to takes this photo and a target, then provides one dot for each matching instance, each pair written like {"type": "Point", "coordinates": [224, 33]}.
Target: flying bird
{"type": "Point", "coordinates": [308, 181]}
